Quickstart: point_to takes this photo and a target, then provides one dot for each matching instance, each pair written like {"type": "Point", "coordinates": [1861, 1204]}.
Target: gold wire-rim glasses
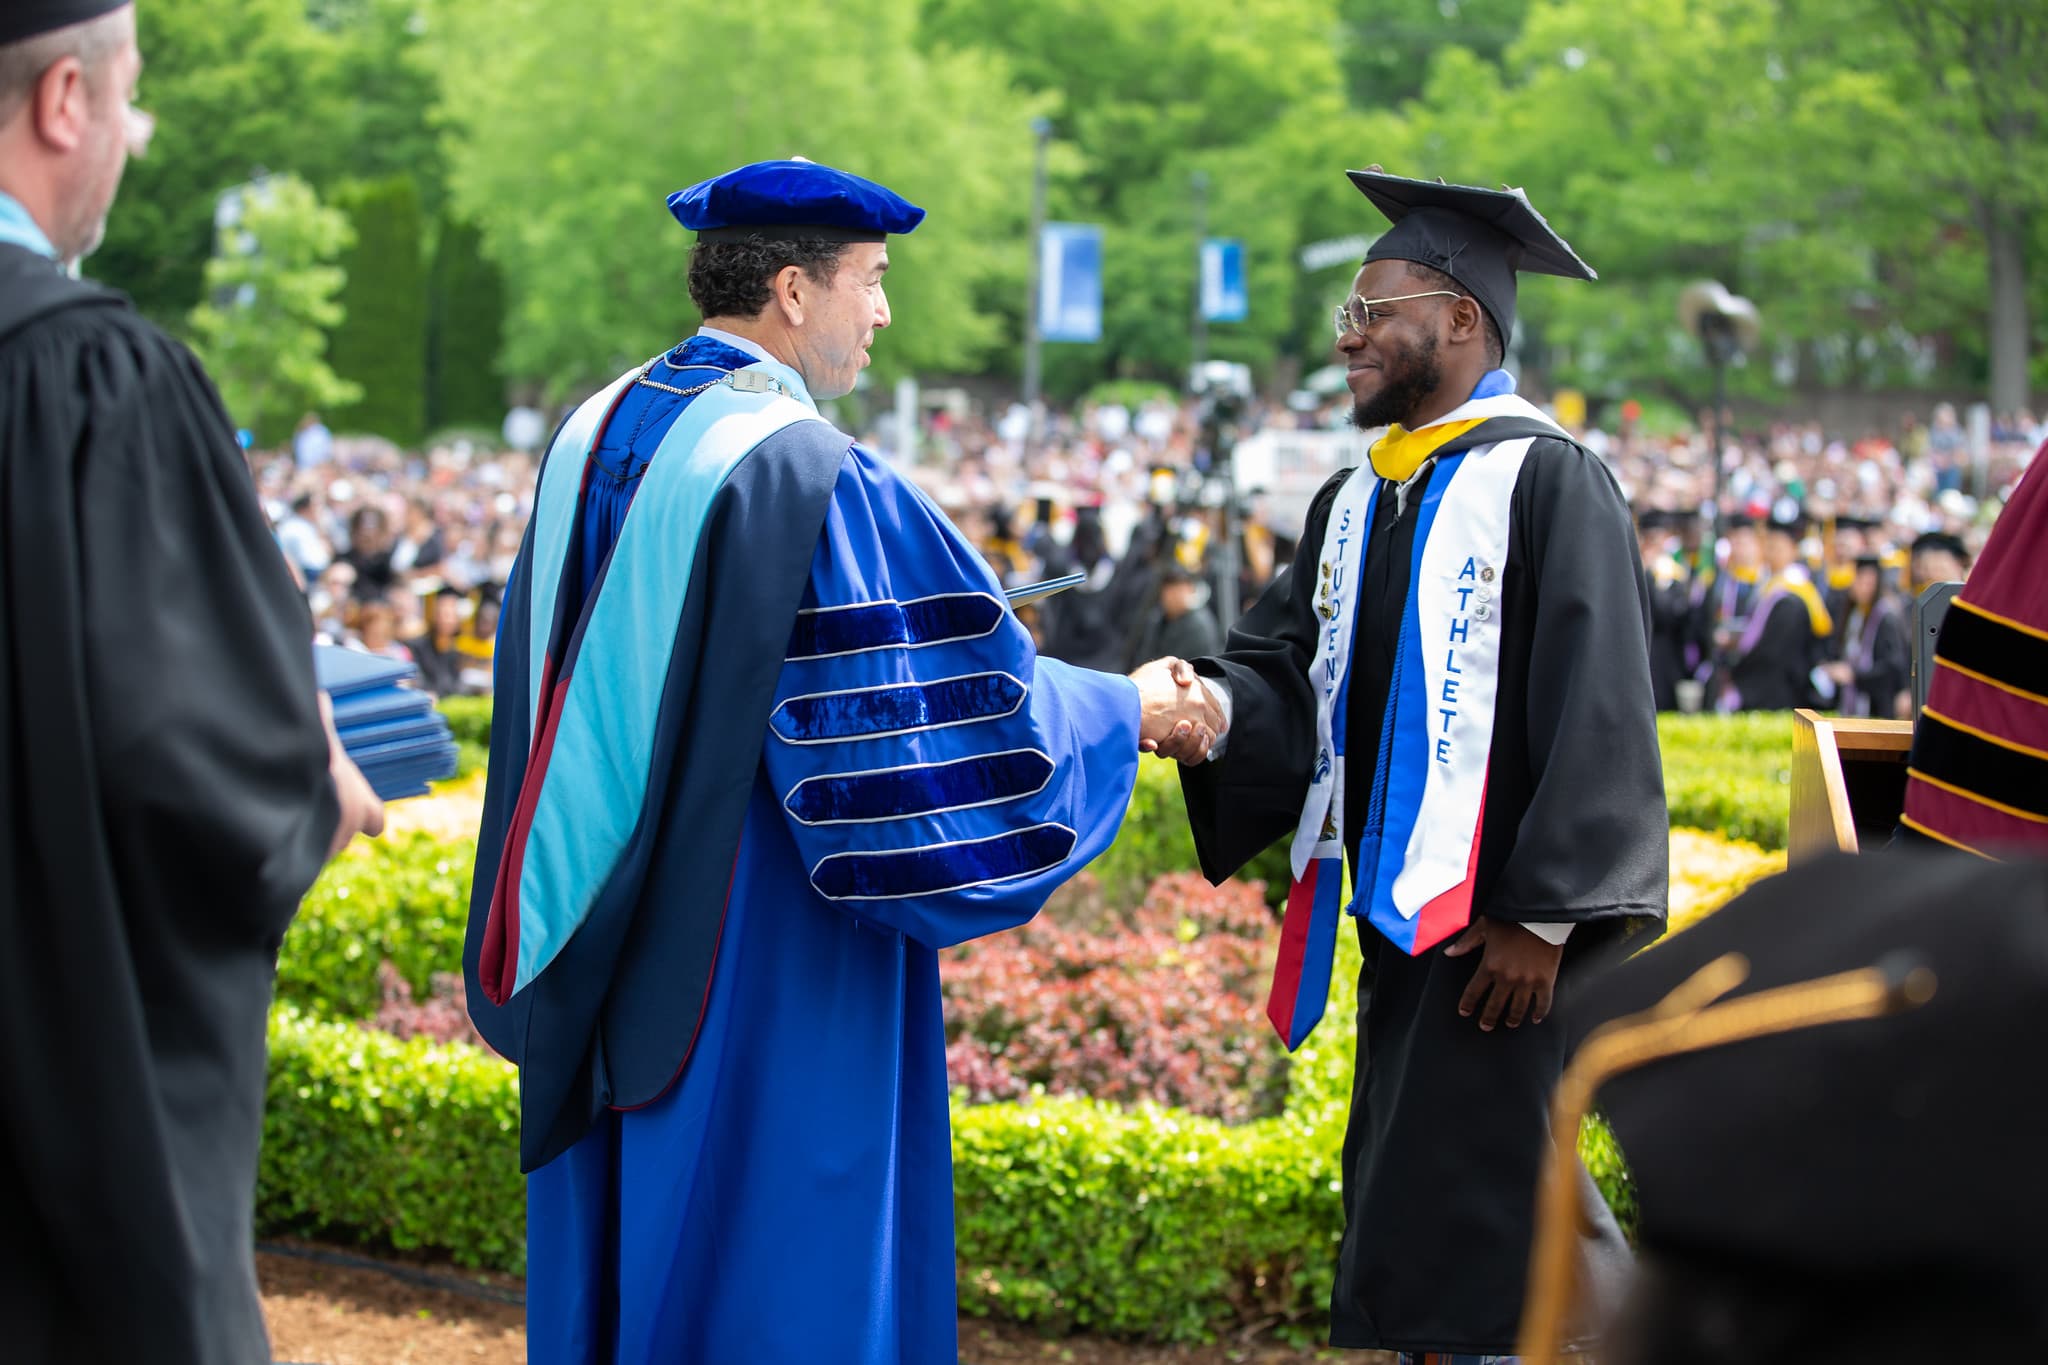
{"type": "Point", "coordinates": [1356, 314]}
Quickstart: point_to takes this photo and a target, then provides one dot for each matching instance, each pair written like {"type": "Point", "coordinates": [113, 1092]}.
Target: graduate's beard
{"type": "Point", "coordinates": [1407, 377]}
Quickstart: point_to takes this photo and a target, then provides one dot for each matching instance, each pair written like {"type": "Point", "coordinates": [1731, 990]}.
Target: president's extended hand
{"type": "Point", "coordinates": [1177, 716]}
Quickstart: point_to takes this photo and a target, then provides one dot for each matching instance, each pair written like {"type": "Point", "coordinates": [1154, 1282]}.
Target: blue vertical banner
{"type": "Point", "coordinates": [1070, 282]}
{"type": "Point", "coordinates": [1224, 298]}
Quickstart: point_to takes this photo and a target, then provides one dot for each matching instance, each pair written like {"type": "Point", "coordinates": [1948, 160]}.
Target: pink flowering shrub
{"type": "Point", "coordinates": [443, 1016]}
{"type": "Point", "coordinates": [1163, 1002]}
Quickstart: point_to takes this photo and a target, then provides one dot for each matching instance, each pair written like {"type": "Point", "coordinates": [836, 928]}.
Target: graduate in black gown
{"type": "Point", "coordinates": [1876, 664]}
{"type": "Point", "coordinates": [1671, 610]}
{"type": "Point", "coordinates": [1775, 664]}
{"type": "Point", "coordinates": [167, 790]}
{"type": "Point", "coordinates": [1491, 838]}
{"type": "Point", "coordinates": [1848, 540]}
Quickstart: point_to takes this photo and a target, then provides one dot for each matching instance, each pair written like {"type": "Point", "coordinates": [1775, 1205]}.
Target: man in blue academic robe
{"type": "Point", "coordinates": [767, 737]}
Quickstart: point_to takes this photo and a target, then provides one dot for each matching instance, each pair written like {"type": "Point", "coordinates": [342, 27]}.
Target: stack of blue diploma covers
{"type": "Point", "coordinates": [390, 729]}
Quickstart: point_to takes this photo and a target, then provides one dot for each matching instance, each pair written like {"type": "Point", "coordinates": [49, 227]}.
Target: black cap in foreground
{"type": "Point", "coordinates": [1868, 1191]}
{"type": "Point", "coordinates": [1478, 237]}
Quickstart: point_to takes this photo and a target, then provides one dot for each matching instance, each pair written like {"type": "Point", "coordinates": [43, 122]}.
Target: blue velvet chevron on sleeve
{"type": "Point", "coordinates": [937, 776]}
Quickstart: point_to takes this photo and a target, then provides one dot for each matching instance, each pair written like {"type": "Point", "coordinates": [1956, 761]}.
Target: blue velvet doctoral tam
{"type": "Point", "coordinates": [777, 198]}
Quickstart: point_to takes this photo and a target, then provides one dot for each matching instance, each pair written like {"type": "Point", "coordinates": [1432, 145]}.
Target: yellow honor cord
{"type": "Point", "coordinates": [1399, 453]}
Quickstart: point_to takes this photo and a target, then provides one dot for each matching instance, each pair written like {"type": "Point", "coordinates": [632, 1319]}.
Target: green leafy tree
{"type": "Point", "coordinates": [381, 343]}
{"type": "Point", "coordinates": [1145, 94]}
{"type": "Point", "coordinates": [271, 285]}
{"type": "Point", "coordinates": [1388, 44]}
{"type": "Point", "coordinates": [243, 88]}
{"type": "Point", "coordinates": [1792, 151]}
{"type": "Point", "coordinates": [465, 330]}
{"type": "Point", "coordinates": [569, 190]}
{"type": "Point", "coordinates": [1978, 67]}
{"type": "Point", "coordinates": [1872, 172]}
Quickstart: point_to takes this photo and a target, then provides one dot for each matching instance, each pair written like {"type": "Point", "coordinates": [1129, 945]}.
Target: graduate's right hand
{"type": "Point", "coordinates": [1517, 973]}
{"type": "Point", "coordinates": [361, 811]}
{"type": "Point", "coordinates": [1177, 717]}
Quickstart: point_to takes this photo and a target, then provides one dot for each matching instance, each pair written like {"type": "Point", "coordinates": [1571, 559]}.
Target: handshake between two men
{"type": "Point", "coordinates": [1180, 716]}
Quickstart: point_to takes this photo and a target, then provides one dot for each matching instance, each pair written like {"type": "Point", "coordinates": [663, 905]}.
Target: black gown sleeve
{"type": "Point", "coordinates": [1593, 841]}
{"type": "Point", "coordinates": [1240, 803]}
{"type": "Point", "coordinates": [198, 653]}
{"type": "Point", "coordinates": [164, 803]}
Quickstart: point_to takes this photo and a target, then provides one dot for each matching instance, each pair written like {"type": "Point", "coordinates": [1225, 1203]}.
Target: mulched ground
{"type": "Point", "coordinates": [341, 1315]}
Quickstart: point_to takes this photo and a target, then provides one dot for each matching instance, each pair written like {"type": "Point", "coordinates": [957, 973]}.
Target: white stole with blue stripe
{"type": "Point", "coordinates": [1434, 763]}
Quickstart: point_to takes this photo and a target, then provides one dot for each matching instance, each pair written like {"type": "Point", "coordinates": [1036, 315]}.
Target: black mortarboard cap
{"type": "Point", "coordinates": [21, 19]}
{"type": "Point", "coordinates": [1790, 519]}
{"type": "Point", "coordinates": [1865, 1191]}
{"type": "Point", "coordinates": [1478, 237]}
{"type": "Point", "coordinates": [1659, 519]}
{"type": "Point", "coordinates": [1941, 540]}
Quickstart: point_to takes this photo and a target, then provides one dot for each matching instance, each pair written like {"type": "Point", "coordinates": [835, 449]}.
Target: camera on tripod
{"type": "Point", "coordinates": [1223, 393]}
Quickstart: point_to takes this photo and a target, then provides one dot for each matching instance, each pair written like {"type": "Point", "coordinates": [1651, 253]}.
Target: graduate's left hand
{"type": "Point", "coordinates": [1517, 973]}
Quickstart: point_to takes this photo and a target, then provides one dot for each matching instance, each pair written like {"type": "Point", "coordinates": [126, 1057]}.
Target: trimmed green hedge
{"type": "Point", "coordinates": [412, 1145]}
{"type": "Point", "coordinates": [1155, 839]}
{"type": "Point", "coordinates": [1077, 1214]}
{"type": "Point", "coordinates": [1729, 774]}
{"type": "Point", "coordinates": [469, 718]}
{"type": "Point", "coordinates": [402, 899]}
{"type": "Point", "coordinates": [1069, 1213]}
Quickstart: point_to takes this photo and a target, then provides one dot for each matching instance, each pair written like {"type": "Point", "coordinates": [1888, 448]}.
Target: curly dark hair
{"type": "Point", "coordinates": [729, 279]}
{"type": "Point", "coordinates": [1437, 279]}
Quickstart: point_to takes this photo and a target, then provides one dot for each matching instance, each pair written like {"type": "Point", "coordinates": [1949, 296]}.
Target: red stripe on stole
{"type": "Point", "coordinates": [498, 959]}
{"type": "Point", "coordinates": [1301, 906]}
{"type": "Point", "coordinates": [1446, 914]}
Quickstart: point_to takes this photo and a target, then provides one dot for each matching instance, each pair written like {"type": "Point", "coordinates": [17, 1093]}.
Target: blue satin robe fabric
{"type": "Point", "coordinates": [790, 1199]}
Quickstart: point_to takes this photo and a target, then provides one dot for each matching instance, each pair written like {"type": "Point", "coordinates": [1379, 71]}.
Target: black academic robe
{"type": "Point", "coordinates": [1839, 604]}
{"type": "Point", "coordinates": [1671, 619]}
{"type": "Point", "coordinates": [1194, 632]}
{"type": "Point", "coordinates": [1449, 1125]}
{"type": "Point", "coordinates": [1776, 673]}
{"type": "Point", "coordinates": [1877, 648]}
{"type": "Point", "coordinates": [165, 802]}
